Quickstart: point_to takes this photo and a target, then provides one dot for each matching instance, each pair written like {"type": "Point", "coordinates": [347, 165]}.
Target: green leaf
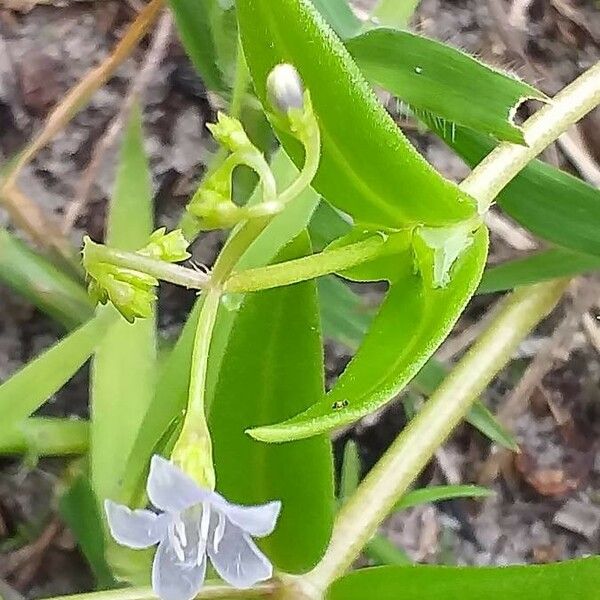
{"type": "Point", "coordinates": [79, 509]}
{"type": "Point", "coordinates": [353, 158]}
{"type": "Point", "coordinates": [346, 319]}
{"type": "Point", "coordinates": [344, 314]}
{"type": "Point", "coordinates": [172, 386]}
{"type": "Point", "coordinates": [412, 322]}
{"type": "Point", "coordinates": [46, 436]}
{"type": "Point", "coordinates": [327, 224]}
{"type": "Point", "coordinates": [439, 493]}
{"type": "Point", "coordinates": [432, 375]}
{"type": "Point", "coordinates": [576, 580]}
{"type": "Point", "coordinates": [194, 21]}
{"type": "Point", "coordinates": [350, 475]}
{"type": "Point", "coordinates": [42, 283]}
{"type": "Point", "coordinates": [272, 369]}
{"type": "Point", "coordinates": [123, 370]}
{"type": "Point", "coordinates": [394, 13]}
{"type": "Point", "coordinates": [124, 367]}
{"type": "Point", "coordinates": [340, 16]}
{"type": "Point", "coordinates": [383, 552]}
{"type": "Point", "coordinates": [551, 203]}
{"type": "Point", "coordinates": [435, 78]}
{"type": "Point", "coordinates": [25, 391]}
{"type": "Point", "coordinates": [536, 267]}
{"type": "Point", "coordinates": [384, 267]}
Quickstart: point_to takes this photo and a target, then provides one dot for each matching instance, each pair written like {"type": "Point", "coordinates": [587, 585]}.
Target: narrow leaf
{"type": "Point", "coordinates": [412, 322]}
{"type": "Point", "coordinates": [536, 267]}
{"type": "Point", "coordinates": [345, 316]}
{"type": "Point", "coordinates": [25, 391]}
{"type": "Point", "coordinates": [340, 16]}
{"type": "Point", "coordinates": [272, 369]}
{"type": "Point", "coordinates": [79, 509]}
{"type": "Point", "coordinates": [194, 24]}
{"type": "Point", "coordinates": [350, 475]}
{"type": "Point", "coordinates": [383, 552]}
{"type": "Point", "coordinates": [394, 13]}
{"type": "Point", "coordinates": [124, 367]}
{"type": "Point", "coordinates": [576, 580]}
{"type": "Point", "coordinates": [46, 436]}
{"type": "Point", "coordinates": [42, 283]}
{"type": "Point", "coordinates": [435, 78]}
{"type": "Point", "coordinates": [353, 157]}
{"type": "Point", "coordinates": [440, 493]}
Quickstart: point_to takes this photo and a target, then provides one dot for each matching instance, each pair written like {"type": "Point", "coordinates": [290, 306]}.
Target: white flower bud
{"type": "Point", "coordinates": [285, 88]}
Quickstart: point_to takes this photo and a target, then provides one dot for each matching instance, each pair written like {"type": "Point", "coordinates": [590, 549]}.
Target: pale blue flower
{"type": "Point", "coordinates": [194, 523]}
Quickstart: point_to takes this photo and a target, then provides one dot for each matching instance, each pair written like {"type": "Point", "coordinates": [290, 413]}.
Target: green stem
{"type": "Point", "coordinates": [188, 223]}
{"type": "Point", "coordinates": [377, 495]}
{"type": "Point", "coordinates": [308, 267]}
{"type": "Point", "coordinates": [206, 323]}
{"type": "Point", "coordinates": [540, 130]}
{"type": "Point", "coordinates": [160, 269]}
{"type": "Point", "coordinates": [312, 153]}
{"type": "Point", "coordinates": [208, 592]}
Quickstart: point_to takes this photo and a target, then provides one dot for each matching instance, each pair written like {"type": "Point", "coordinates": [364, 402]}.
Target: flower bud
{"type": "Point", "coordinates": [170, 247]}
{"type": "Point", "coordinates": [285, 89]}
{"type": "Point", "coordinates": [230, 133]}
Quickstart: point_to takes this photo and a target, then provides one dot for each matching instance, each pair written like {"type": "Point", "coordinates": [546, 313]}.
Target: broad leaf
{"type": "Point", "coordinates": [360, 140]}
{"type": "Point", "coordinates": [576, 580]}
{"type": "Point", "coordinates": [272, 369]}
{"type": "Point", "coordinates": [536, 267]}
{"type": "Point", "coordinates": [411, 323]}
{"type": "Point", "coordinates": [551, 203]}
{"type": "Point", "coordinates": [25, 391]}
{"type": "Point", "coordinates": [42, 283]}
{"type": "Point", "coordinates": [449, 84]}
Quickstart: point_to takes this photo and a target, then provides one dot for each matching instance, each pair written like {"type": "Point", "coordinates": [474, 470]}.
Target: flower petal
{"type": "Point", "coordinates": [173, 579]}
{"type": "Point", "coordinates": [258, 520]}
{"type": "Point", "coordinates": [170, 489]}
{"type": "Point", "coordinates": [135, 528]}
{"type": "Point", "coordinates": [235, 556]}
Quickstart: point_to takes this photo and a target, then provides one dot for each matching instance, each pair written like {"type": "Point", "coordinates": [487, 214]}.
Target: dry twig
{"type": "Point", "coordinates": [22, 210]}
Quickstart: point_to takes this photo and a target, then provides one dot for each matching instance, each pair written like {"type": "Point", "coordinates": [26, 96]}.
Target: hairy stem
{"type": "Point", "coordinates": [540, 130]}
{"type": "Point", "coordinates": [391, 477]}
{"type": "Point", "coordinates": [308, 267]}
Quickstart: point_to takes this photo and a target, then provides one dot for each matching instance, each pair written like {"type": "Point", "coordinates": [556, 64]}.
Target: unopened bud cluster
{"type": "Point", "coordinates": [131, 292]}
